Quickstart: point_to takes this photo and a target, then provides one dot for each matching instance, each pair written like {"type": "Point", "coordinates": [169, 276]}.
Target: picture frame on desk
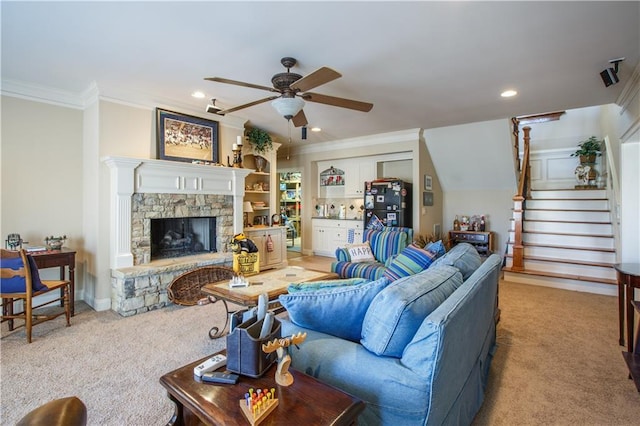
{"type": "Point", "coordinates": [183, 137]}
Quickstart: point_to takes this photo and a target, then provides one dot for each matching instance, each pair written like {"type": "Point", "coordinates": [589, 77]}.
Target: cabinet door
{"type": "Point", "coordinates": [358, 173]}
{"type": "Point", "coordinates": [275, 256]}
{"type": "Point", "coordinates": [259, 239]}
{"type": "Point", "coordinates": [319, 243]}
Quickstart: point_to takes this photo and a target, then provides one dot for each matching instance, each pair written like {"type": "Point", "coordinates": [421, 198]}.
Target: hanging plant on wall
{"type": "Point", "coordinates": [260, 140]}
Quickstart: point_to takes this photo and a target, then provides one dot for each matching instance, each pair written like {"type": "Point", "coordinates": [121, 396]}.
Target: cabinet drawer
{"type": "Point", "coordinates": [477, 238]}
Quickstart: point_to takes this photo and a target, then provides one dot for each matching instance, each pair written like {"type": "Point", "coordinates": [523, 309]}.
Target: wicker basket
{"type": "Point", "coordinates": [185, 288]}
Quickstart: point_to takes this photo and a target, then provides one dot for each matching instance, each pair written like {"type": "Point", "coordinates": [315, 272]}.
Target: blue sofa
{"type": "Point", "coordinates": [409, 370]}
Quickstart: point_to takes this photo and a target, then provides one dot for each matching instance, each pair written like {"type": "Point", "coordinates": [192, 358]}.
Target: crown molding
{"type": "Point", "coordinates": [410, 135]}
{"type": "Point", "coordinates": [93, 93]}
{"type": "Point", "coordinates": [37, 93]}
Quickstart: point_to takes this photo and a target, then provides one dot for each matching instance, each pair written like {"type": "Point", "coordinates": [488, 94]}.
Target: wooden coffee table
{"type": "Point", "coordinates": [306, 402]}
{"type": "Point", "coordinates": [274, 283]}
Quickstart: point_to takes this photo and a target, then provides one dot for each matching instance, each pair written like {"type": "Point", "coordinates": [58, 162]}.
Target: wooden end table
{"type": "Point", "coordinates": [628, 280]}
{"type": "Point", "coordinates": [306, 402]}
{"type": "Point", "coordinates": [59, 259]}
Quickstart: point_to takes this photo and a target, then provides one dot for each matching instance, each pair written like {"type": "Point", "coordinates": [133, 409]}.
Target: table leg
{"type": "Point", "coordinates": [630, 315]}
{"type": "Point", "coordinates": [178, 414]}
{"type": "Point", "coordinates": [72, 287]}
{"type": "Point", "coordinates": [215, 332]}
{"type": "Point", "coordinates": [621, 303]}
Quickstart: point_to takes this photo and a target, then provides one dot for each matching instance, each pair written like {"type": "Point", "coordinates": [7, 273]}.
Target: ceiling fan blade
{"type": "Point", "coordinates": [250, 104]}
{"type": "Point", "coordinates": [339, 102]}
{"type": "Point", "coordinates": [240, 83]}
{"type": "Point", "coordinates": [317, 78]}
{"type": "Point", "coordinates": [300, 119]}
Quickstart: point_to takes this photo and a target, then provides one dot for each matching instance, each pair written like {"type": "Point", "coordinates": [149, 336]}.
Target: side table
{"type": "Point", "coordinates": [628, 280]}
{"type": "Point", "coordinates": [59, 258]}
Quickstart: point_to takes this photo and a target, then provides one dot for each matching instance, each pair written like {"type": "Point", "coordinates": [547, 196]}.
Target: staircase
{"type": "Point", "coordinates": [568, 241]}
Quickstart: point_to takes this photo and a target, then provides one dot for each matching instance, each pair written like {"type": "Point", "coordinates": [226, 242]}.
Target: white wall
{"type": "Point", "coordinates": [42, 174]}
{"type": "Point", "coordinates": [630, 206]}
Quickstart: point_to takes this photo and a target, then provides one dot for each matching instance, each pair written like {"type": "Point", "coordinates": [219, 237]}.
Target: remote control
{"type": "Point", "coordinates": [218, 377]}
{"type": "Point", "coordinates": [211, 364]}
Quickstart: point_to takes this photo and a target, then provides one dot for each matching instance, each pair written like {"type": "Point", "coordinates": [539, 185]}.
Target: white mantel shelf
{"type": "Point", "coordinates": [135, 175]}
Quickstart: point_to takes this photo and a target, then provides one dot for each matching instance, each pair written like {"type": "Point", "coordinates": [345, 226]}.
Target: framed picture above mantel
{"type": "Point", "coordinates": [183, 137]}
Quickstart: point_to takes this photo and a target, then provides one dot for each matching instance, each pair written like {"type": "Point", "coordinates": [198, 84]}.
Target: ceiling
{"type": "Point", "coordinates": [422, 64]}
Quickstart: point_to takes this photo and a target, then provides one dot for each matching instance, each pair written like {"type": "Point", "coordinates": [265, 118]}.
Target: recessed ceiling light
{"type": "Point", "coordinates": [198, 95]}
{"type": "Point", "coordinates": [316, 129]}
{"type": "Point", "coordinates": [508, 93]}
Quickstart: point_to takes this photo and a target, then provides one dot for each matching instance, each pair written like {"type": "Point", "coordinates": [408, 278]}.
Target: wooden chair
{"type": "Point", "coordinates": [20, 280]}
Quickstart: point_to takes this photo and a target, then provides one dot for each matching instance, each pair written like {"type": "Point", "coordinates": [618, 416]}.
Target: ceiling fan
{"type": "Point", "coordinates": [293, 91]}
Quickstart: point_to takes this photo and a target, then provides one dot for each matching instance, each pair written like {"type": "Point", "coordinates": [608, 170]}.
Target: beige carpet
{"type": "Point", "coordinates": [558, 362]}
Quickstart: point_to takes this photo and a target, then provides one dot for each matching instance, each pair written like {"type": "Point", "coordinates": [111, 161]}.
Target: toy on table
{"type": "Point", "coordinates": [283, 377]}
{"type": "Point", "coordinates": [258, 404]}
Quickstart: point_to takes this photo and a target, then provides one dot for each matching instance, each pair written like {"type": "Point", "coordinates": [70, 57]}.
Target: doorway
{"type": "Point", "coordinates": [291, 208]}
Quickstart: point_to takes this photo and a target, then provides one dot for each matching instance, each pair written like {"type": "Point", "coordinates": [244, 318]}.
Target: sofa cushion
{"type": "Point", "coordinates": [369, 270]}
{"type": "Point", "coordinates": [397, 312]}
{"type": "Point", "coordinates": [337, 311]}
{"type": "Point", "coordinates": [360, 252]}
{"type": "Point", "coordinates": [463, 256]}
{"type": "Point", "coordinates": [385, 244]}
{"type": "Point", "coordinates": [411, 260]}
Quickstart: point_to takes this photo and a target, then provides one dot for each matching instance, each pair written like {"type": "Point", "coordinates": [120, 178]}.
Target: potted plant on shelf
{"type": "Point", "coordinates": [260, 142]}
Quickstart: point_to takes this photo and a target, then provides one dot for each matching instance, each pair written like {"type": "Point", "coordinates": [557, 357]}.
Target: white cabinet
{"type": "Point", "coordinates": [276, 258]}
{"type": "Point", "coordinates": [329, 234]}
{"type": "Point", "coordinates": [358, 172]}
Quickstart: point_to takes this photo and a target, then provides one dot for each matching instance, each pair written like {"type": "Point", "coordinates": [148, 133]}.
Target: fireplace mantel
{"type": "Point", "coordinates": [133, 175]}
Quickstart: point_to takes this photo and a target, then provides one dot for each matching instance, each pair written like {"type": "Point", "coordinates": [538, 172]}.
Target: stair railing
{"type": "Point", "coordinates": [524, 192]}
{"type": "Point", "coordinates": [613, 191]}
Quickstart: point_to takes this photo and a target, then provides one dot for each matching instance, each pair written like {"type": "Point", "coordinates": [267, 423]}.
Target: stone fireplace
{"type": "Point", "coordinates": [143, 191]}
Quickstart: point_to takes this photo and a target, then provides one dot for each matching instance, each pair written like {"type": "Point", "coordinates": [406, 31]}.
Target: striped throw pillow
{"type": "Point", "coordinates": [410, 261]}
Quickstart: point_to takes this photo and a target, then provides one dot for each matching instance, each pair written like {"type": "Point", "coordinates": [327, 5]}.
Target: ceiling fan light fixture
{"type": "Point", "coordinates": [288, 107]}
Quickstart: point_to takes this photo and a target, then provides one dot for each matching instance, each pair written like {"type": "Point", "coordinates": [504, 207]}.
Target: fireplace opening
{"type": "Point", "coordinates": [182, 236]}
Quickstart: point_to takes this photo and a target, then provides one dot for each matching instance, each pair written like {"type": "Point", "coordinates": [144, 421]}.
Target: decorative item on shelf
{"type": "Point", "coordinates": [586, 173]}
{"type": "Point", "coordinates": [237, 153]}
{"type": "Point", "coordinates": [261, 162]}
{"type": "Point", "coordinates": [259, 140]}
{"type": "Point", "coordinates": [246, 209]}
{"type": "Point", "coordinates": [14, 241]}
{"type": "Point", "coordinates": [283, 377]}
{"type": "Point", "coordinates": [464, 224]}
{"type": "Point", "coordinates": [456, 224]}
{"type": "Point", "coordinates": [55, 243]}
{"type": "Point", "coordinates": [275, 219]}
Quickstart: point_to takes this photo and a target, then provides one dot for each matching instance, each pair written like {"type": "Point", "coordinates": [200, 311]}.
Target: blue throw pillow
{"type": "Point", "coordinates": [337, 311]}
{"type": "Point", "coordinates": [36, 283]}
{"type": "Point", "coordinates": [410, 261]}
{"type": "Point", "coordinates": [17, 283]}
{"type": "Point", "coordinates": [397, 312]}
{"type": "Point", "coordinates": [437, 248]}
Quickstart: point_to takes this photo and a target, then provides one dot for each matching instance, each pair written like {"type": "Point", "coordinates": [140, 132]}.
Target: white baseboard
{"type": "Point", "coordinates": [562, 284]}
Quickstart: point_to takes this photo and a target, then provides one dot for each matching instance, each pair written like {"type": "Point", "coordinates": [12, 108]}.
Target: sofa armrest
{"type": "Point", "coordinates": [342, 255]}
